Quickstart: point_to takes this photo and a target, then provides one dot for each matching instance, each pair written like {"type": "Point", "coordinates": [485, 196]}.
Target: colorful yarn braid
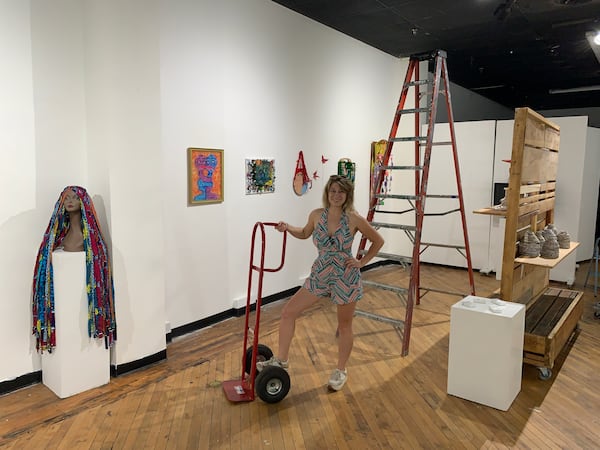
{"type": "Point", "coordinates": [99, 281]}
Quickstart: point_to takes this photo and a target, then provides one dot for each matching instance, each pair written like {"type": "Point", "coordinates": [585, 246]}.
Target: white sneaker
{"type": "Point", "coordinates": [273, 361]}
{"type": "Point", "coordinates": [337, 379]}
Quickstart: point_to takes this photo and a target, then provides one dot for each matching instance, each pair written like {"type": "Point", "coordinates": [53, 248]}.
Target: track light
{"type": "Point", "coordinates": [576, 89]}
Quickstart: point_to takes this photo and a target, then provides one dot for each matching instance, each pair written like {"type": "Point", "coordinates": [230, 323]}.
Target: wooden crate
{"type": "Point", "coordinates": [549, 322]}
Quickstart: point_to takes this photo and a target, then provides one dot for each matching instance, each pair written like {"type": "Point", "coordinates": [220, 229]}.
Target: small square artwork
{"type": "Point", "coordinates": [260, 176]}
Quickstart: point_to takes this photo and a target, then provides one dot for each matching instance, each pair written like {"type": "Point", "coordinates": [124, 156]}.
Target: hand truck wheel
{"type": "Point", "coordinates": [272, 384]}
{"type": "Point", "coordinates": [262, 354]}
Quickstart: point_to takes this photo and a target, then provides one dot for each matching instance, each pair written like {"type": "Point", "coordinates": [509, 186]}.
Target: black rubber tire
{"type": "Point", "coordinates": [263, 353]}
{"type": "Point", "coordinates": [272, 384]}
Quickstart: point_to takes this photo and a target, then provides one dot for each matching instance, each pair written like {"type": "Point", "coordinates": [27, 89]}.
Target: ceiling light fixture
{"type": "Point", "coordinates": [592, 38]}
{"type": "Point", "coordinates": [483, 88]}
{"type": "Point", "coordinates": [577, 89]}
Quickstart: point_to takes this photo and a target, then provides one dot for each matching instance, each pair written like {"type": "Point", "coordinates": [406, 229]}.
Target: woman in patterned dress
{"type": "Point", "coordinates": [334, 274]}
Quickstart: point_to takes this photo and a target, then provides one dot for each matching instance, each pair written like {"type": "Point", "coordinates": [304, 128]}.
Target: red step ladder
{"type": "Point", "coordinates": [423, 144]}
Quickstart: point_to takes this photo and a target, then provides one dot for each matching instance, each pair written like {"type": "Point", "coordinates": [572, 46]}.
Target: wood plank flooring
{"type": "Point", "coordinates": [389, 402]}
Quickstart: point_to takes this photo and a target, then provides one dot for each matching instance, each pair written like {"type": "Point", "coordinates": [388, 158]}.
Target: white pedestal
{"type": "Point", "coordinates": [78, 362]}
{"type": "Point", "coordinates": [485, 359]}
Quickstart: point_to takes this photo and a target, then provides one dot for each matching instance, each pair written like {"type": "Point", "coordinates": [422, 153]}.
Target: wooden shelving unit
{"type": "Point", "coordinates": [552, 314]}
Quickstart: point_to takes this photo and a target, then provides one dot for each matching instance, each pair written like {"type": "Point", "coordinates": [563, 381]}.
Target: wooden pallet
{"type": "Point", "coordinates": [552, 314]}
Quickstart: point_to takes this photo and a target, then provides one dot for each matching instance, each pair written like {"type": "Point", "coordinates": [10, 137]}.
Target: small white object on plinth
{"type": "Point", "coordinates": [78, 362]}
{"type": "Point", "coordinates": [485, 358]}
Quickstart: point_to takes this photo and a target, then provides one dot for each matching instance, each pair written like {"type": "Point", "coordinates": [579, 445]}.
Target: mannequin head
{"type": "Point", "coordinates": [71, 200]}
{"type": "Point", "coordinates": [74, 226]}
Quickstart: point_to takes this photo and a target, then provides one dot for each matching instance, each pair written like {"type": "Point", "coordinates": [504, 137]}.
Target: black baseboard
{"type": "Point", "coordinates": [20, 382]}
{"type": "Point", "coordinates": [238, 312]}
{"type": "Point", "coordinates": [228, 314]}
{"type": "Point", "coordinates": [115, 371]}
{"type": "Point", "coordinates": [36, 377]}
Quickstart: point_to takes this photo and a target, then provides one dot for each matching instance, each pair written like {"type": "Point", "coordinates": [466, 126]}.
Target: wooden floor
{"type": "Point", "coordinates": [389, 401]}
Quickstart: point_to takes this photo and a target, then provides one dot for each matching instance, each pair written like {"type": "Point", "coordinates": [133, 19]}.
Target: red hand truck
{"type": "Point", "coordinates": [272, 383]}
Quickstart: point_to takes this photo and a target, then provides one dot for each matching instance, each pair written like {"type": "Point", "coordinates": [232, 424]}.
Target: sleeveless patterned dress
{"type": "Point", "coordinates": [329, 276]}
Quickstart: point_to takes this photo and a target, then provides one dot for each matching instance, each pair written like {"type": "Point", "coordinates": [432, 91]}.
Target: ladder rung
{"type": "Point", "coordinates": [400, 167]}
{"type": "Point", "coordinates": [387, 287]}
{"type": "Point", "coordinates": [397, 196]}
{"type": "Point", "coordinates": [379, 211]}
{"type": "Point", "coordinates": [413, 110]}
{"type": "Point", "coordinates": [431, 244]}
{"type": "Point", "coordinates": [395, 226]}
{"type": "Point", "coordinates": [444, 213]}
{"type": "Point", "coordinates": [418, 82]}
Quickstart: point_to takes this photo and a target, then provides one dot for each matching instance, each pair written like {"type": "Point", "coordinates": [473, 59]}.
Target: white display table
{"type": "Point", "coordinates": [485, 358]}
{"type": "Point", "coordinates": [78, 363]}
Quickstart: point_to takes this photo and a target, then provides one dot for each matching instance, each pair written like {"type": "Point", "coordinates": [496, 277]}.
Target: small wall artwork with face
{"type": "Point", "coordinates": [205, 176]}
{"type": "Point", "coordinates": [302, 182]}
{"type": "Point", "coordinates": [260, 176]}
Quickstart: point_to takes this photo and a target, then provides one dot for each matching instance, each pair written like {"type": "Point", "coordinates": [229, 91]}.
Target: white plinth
{"type": "Point", "coordinates": [78, 363]}
{"type": "Point", "coordinates": [485, 358]}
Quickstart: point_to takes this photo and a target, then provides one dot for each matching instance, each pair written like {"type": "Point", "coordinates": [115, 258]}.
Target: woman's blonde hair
{"type": "Point", "coordinates": [346, 186]}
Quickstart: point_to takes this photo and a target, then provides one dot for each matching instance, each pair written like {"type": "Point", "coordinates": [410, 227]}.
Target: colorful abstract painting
{"type": "Point", "coordinates": [205, 176]}
{"type": "Point", "coordinates": [260, 176]}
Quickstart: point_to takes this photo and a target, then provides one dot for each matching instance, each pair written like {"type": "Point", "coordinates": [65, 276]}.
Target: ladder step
{"type": "Point", "coordinates": [432, 244]}
{"type": "Point", "coordinates": [442, 195]}
{"type": "Point", "coordinates": [395, 226]}
{"type": "Point", "coordinates": [413, 110]}
{"type": "Point", "coordinates": [390, 256]}
{"type": "Point", "coordinates": [441, 291]}
{"type": "Point", "coordinates": [419, 82]}
{"type": "Point", "coordinates": [409, 139]}
{"type": "Point", "coordinates": [396, 322]}
{"type": "Point", "coordinates": [421, 139]}
{"type": "Point", "coordinates": [397, 196]}
{"type": "Point", "coordinates": [387, 287]}
{"type": "Point", "coordinates": [400, 167]}
{"type": "Point", "coordinates": [441, 143]}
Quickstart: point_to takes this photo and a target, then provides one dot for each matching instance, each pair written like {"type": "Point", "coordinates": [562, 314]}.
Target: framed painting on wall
{"type": "Point", "coordinates": [260, 176]}
{"type": "Point", "coordinates": [205, 176]}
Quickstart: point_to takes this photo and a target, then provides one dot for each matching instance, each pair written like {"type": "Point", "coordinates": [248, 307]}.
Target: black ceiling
{"type": "Point", "coordinates": [514, 52]}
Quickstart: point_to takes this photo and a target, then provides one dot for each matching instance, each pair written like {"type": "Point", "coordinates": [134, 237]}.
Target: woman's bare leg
{"type": "Point", "coordinates": [345, 314]}
{"type": "Point", "coordinates": [299, 302]}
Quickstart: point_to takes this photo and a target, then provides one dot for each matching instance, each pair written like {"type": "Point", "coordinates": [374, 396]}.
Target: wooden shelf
{"type": "Point", "coordinates": [551, 315]}
{"type": "Point", "coordinates": [491, 212]}
{"type": "Point", "coordinates": [549, 263]}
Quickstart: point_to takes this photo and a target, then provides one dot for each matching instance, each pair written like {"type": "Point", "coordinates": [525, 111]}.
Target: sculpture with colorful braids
{"type": "Point", "coordinates": [74, 204]}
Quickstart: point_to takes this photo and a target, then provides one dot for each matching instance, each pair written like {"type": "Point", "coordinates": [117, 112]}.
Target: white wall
{"type": "Point", "coordinates": [110, 95]}
{"type": "Point", "coordinates": [19, 230]}
{"type": "Point", "coordinates": [589, 195]}
{"type": "Point", "coordinates": [80, 105]}
{"type": "Point", "coordinates": [475, 148]}
{"type": "Point", "coordinates": [258, 81]}
{"type": "Point", "coordinates": [124, 138]}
